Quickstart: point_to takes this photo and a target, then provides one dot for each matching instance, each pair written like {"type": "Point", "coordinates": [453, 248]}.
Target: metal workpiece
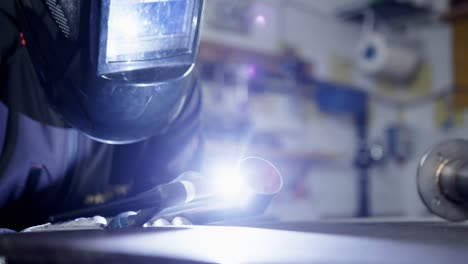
{"type": "Point", "coordinates": [346, 242]}
{"type": "Point", "coordinates": [443, 180]}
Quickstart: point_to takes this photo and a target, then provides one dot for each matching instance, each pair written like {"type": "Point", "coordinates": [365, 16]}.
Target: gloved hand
{"type": "Point", "coordinates": [177, 221]}
{"type": "Point", "coordinates": [123, 221]}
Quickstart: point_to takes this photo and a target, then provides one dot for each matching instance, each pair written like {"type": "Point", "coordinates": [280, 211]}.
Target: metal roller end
{"type": "Point", "coordinates": [441, 180]}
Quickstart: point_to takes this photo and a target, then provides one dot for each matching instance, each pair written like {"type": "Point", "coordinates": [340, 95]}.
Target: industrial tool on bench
{"type": "Point", "coordinates": [443, 180]}
{"type": "Point", "coordinates": [240, 190]}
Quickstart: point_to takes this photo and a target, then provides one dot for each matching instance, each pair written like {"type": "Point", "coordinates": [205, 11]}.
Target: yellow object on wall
{"type": "Point", "coordinates": [460, 62]}
{"type": "Point", "coordinates": [341, 69]}
{"type": "Point", "coordinates": [444, 112]}
{"type": "Point", "coordinates": [420, 85]}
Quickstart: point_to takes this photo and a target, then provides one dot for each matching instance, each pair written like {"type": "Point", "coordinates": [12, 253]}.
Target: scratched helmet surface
{"type": "Point", "coordinates": [117, 70]}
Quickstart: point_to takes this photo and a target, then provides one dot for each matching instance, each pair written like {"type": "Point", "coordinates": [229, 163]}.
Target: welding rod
{"type": "Point", "coordinates": [186, 188]}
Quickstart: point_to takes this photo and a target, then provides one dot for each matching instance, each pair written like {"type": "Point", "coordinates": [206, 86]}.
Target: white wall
{"type": "Point", "coordinates": [399, 195]}
{"type": "Point", "coordinates": [394, 190]}
{"type": "Point", "coordinates": [317, 36]}
{"type": "Point", "coordinates": [263, 38]}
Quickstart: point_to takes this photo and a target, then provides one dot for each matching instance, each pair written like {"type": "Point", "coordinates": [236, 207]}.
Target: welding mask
{"type": "Point", "coordinates": [117, 70]}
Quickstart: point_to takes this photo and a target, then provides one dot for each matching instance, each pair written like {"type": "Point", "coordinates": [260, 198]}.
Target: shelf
{"type": "Point", "coordinates": [307, 157]}
{"type": "Point", "coordinates": [221, 53]}
{"type": "Point", "coordinates": [391, 12]}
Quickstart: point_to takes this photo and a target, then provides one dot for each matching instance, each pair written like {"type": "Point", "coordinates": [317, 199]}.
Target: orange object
{"type": "Point", "coordinates": [23, 41]}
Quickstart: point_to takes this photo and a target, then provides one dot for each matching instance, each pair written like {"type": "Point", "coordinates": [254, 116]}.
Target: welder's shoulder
{"type": "Point", "coordinates": [8, 28]}
{"type": "Point", "coordinates": [7, 6]}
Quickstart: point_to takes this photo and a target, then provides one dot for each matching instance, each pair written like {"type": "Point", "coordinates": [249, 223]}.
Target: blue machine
{"type": "Point", "coordinates": [342, 99]}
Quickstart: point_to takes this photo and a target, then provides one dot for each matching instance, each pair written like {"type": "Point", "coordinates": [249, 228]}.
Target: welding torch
{"type": "Point", "coordinates": [246, 187]}
{"type": "Point", "coordinates": [184, 189]}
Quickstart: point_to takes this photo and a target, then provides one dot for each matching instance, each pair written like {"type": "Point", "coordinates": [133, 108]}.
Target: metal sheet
{"type": "Point", "coordinates": [280, 243]}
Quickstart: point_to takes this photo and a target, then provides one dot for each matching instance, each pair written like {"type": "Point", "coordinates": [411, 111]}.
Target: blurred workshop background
{"type": "Point", "coordinates": [344, 96]}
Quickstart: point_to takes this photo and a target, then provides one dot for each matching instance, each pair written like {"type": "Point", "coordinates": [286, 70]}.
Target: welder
{"type": "Point", "coordinates": [98, 102]}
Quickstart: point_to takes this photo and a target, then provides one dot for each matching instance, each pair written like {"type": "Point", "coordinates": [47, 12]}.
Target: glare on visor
{"type": "Point", "coordinates": [140, 30]}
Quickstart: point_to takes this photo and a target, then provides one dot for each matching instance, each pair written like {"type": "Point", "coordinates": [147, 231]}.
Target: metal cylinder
{"type": "Point", "coordinates": [451, 175]}
{"type": "Point", "coordinates": [443, 180]}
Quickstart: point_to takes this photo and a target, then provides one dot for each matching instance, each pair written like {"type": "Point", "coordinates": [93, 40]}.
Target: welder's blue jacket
{"type": "Point", "coordinates": [47, 167]}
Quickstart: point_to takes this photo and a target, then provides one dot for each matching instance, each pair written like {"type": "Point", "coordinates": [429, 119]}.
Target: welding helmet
{"type": "Point", "coordinates": [117, 70]}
